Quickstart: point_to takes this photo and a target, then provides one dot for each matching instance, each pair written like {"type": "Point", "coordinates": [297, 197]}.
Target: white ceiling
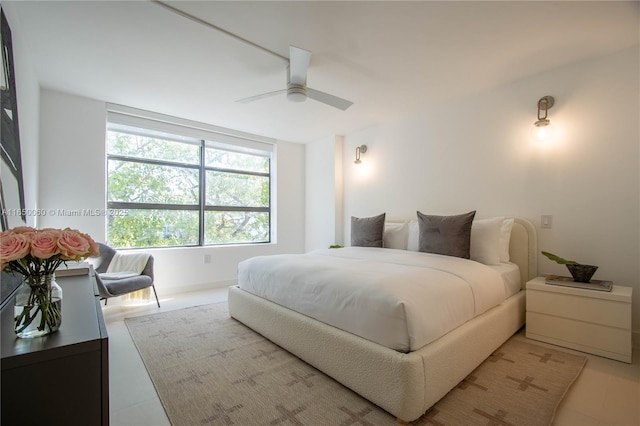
{"type": "Point", "coordinates": [390, 58]}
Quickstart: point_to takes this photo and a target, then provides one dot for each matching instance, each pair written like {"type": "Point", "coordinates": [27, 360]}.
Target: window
{"type": "Point", "coordinates": [173, 188]}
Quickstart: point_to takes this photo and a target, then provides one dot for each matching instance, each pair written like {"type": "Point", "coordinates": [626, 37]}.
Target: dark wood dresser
{"type": "Point", "coordinates": [62, 378]}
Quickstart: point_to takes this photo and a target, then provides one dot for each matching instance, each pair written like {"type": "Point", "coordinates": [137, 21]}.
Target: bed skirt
{"type": "Point", "coordinates": [403, 384]}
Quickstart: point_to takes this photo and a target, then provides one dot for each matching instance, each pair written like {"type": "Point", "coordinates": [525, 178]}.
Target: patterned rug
{"type": "Point", "coordinates": [210, 369]}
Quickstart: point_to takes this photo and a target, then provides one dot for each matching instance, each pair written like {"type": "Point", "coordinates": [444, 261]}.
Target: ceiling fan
{"type": "Point", "coordinates": [297, 90]}
{"type": "Point", "coordinates": [299, 59]}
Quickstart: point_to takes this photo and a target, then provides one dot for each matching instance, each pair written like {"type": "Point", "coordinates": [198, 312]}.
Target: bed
{"type": "Point", "coordinates": [408, 379]}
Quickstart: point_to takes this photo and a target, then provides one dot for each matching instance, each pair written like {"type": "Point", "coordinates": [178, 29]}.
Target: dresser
{"type": "Point", "coordinates": [591, 321]}
{"type": "Point", "coordinates": [62, 378]}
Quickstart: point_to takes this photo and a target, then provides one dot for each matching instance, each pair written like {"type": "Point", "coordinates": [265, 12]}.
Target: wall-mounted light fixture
{"type": "Point", "coordinates": [360, 150]}
{"type": "Point", "coordinates": [542, 130]}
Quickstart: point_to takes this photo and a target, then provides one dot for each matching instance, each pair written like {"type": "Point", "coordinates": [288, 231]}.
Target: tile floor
{"type": "Point", "coordinates": [607, 392]}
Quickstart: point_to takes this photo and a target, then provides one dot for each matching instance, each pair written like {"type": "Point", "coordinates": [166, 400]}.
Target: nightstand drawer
{"type": "Point", "coordinates": [589, 337]}
{"type": "Point", "coordinates": [597, 311]}
{"type": "Point", "coordinates": [596, 322]}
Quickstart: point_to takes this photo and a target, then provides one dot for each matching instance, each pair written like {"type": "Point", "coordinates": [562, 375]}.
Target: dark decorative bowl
{"type": "Point", "coordinates": [582, 273]}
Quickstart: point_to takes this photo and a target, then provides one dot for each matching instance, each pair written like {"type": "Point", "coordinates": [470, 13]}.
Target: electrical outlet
{"type": "Point", "coordinates": [207, 258]}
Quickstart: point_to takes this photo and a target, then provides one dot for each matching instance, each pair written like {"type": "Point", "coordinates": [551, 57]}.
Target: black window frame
{"type": "Point", "coordinates": [201, 207]}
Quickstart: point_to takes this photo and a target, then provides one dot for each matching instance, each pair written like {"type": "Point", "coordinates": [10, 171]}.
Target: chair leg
{"type": "Point", "coordinates": [105, 301]}
{"type": "Point", "coordinates": [156, 294]}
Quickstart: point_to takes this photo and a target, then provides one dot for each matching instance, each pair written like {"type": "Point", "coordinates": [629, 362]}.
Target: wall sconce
{"type": "Point", "coordinates": [542, 130]}
{"type": "Point", "coordinates": [360, 150]}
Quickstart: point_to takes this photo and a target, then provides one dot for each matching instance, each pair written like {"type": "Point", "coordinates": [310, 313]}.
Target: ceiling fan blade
{"type": "Point", "coordinates": [328, 99]}
{"type": "Point", "coordinates": [299, 60]}
{"type": "Point", "coordinates": [264, 95]}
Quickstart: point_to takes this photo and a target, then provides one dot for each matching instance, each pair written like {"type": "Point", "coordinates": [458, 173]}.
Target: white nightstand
{"type": "Point", "coordinates": [590, 321]}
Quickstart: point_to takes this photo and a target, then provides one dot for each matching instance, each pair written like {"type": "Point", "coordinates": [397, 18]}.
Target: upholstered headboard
{"type": "Point", "coordinates": [523, 243]}
{"type": "Point", "coordinates": [523, 249]}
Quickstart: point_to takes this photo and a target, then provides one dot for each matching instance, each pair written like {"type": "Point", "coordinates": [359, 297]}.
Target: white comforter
{"type": "Point", "coordinates": [400, 299]}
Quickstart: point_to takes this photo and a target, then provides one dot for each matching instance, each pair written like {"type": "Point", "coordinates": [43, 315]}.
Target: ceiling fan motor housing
{"type": "Point", "coordinates": [296, 93]}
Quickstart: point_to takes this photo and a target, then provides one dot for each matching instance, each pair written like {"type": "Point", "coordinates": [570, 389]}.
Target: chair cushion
{"type": "Point", "coordinates": [127, 285]}
{"type": "Point", "coordinates": [117, 275]}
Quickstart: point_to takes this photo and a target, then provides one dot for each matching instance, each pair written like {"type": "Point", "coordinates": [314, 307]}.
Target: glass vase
{"type": "Point", "coordinates": [38, 306]}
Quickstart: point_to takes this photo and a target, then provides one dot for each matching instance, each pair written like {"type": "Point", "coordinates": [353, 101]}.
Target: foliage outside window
{"type": "Point", "coordinates": [168, 190]}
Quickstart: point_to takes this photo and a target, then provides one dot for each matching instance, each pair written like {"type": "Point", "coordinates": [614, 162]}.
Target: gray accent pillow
{"type": "Point", "coordinates": [367, 231]}
{"type": "Point", "coordinates": [448, 235]}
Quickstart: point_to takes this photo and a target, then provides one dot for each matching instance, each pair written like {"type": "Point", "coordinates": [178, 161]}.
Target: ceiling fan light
{"type": "Point", "coordinates": [296, 97]}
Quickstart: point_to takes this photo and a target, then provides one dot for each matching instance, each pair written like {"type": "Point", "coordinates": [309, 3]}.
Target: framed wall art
{"type": "Point", "coordinates": [12, 200]}
{"type": "Point", "coordinates": [12, 187]}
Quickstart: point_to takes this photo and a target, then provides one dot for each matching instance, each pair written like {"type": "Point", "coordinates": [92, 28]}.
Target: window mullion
{"type": "Point", "coordinates": [237, 172]}
{"type": "Point", "coordinates": [203, 192]}
{"type": "Point", "coordinates": [151, 161]}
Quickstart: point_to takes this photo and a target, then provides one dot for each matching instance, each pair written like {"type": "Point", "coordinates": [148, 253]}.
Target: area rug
{"type": "Point", "coordinates": [210, 369]}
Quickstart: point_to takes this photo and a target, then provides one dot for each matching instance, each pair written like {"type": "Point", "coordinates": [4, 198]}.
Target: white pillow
{"type": "Point", "coordinates": [413, 238]}
{"type": "Point", "coordinates": [485, 240]}
{"type": "Point", "coordinates": [505, 238]}
{"type": "Point", "coordinates": [395, 235]}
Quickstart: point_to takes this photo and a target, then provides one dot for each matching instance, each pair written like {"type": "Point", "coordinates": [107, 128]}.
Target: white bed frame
{"type": "Point", "coordinates": [404, 384]}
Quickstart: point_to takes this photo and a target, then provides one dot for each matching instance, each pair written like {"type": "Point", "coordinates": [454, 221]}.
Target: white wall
{"type": "Point", "coordinates": [28, 99]}
{"type": "Point", "coordinates": [72, 162]}
{"type": "Point", "coordinates": [324, 198]}
{"type": "Point", "coordinates": [475, 154]}
{"type": "Point", "coordinates": [72, 177]}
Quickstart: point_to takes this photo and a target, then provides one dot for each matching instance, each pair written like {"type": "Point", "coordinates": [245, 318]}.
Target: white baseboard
{"type": "Point", "coordinates": [148, 298]}
{"type": "Point", "coordinates": [194, 287]}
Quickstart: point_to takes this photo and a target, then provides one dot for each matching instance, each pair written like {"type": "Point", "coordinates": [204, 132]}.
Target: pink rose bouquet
{"type": "Point", "coordinates": [33, 252]}
{"type": "Point", "coordinates": [36, 254]}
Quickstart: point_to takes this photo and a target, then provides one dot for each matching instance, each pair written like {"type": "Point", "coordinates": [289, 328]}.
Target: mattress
{"type": "Point", "coordinates": [400, 299]}
{"type": "Point", "coordinates": [510, 274]}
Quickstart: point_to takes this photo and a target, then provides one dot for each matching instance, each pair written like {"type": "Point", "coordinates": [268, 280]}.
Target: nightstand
{"type": "Point", "coordinates": [591, 321]}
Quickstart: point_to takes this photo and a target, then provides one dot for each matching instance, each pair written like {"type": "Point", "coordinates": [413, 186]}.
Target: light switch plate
{"type": "Point", "coordinates": [546, 220]}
